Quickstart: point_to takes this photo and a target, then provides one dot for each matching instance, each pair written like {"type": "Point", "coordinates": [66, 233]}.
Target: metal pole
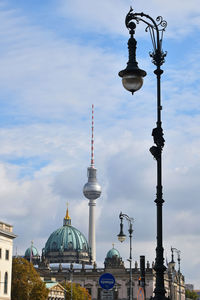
{"type": "Point", "coordinates": [71, 279]}
{"type": "Point", "coordinates": [172, 285]}
{"type": "Point", "coordinates": [156, 29]}
{"type": "Point", "coordinates": [65, 294]}
{"type": "Point", "coordinates": [179, 274]}
{"type": "Point", "coordinates": [142, 274]}
{"type": "Point", "coordinates": [159, 263]}
{"type": "Point", "coordinates": [121, 238]}
{"type": "Point", "coordinates": [130, 260]}
{"type": "Point", "coordinates": [71, 283]}
{"type": "Point", "coordinates": [179, 270]}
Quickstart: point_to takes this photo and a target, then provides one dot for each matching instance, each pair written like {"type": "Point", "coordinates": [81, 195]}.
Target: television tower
{"type": "Point", "coordinates": [92, 191]}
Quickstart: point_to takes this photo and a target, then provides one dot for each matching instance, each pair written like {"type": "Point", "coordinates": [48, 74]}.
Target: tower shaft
{"type": "Point", "coordinates": [91, 234]}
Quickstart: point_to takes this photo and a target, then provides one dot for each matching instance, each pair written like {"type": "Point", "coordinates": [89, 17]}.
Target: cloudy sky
{"type": "Point", "coordinates": [57, 58]}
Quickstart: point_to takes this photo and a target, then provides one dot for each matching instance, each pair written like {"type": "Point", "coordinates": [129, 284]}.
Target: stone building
{"type": "Point", "coordinates": [6, 250]}
{"type": "Point", "coordinates": [56, 291]}
{"type": "Point", "coordinates": [67, 257]}
{"type": "Point", "coordinates": [89, 278]}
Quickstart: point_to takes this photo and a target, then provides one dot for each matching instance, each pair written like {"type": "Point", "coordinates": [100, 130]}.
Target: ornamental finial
{"type": "Point", "coordinates": [67, 219]}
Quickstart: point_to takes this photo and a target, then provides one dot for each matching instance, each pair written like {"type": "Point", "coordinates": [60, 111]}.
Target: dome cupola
{"type": "Point", "coordinates": [31, 251]}
{"type": "Point", "coordinates": [32, 255]}
{"type": "Point", "coordinates": [113, 252]}
{"type": "Point", "coordinates": [113, 259]}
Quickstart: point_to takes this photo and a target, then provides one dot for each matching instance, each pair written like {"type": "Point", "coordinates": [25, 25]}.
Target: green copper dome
{"type": "Point", "coordinates": [113, 260]}
{"type": "Point", "coordinates": [67, 244]}
{"type": "Point", "coordinates": [66, 238]}
{"type": "Point", "coordinates": [29, 250]}
{"type": "Point", "coordinates": [113, 252]}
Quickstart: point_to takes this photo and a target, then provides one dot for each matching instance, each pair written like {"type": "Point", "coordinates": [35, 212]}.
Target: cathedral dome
{"type": "Point", "coordinates": [30, 250]}
{"type": "Point", "coordinates": [66, 238]}
{"type": "Point", "coordinates": [67, 244]}
{"type": "Point", "coordinates": [113, 252]}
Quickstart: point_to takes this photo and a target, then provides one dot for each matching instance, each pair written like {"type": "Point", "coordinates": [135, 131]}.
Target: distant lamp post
{"type": "Point", "coordinates": [171, 269]}
{"type": "Point", "coordinates": [132, 80]}
{"type": "Point", "coordinates": [178, 252]}
{"type": "Point", "coordinates": [121, 238]}
{"type": "Point", "coordinates": [71, 280]}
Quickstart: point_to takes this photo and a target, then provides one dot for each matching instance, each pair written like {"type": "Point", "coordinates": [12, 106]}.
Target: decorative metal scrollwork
{"type": "Point", "coordinates": [161, 22]}
{"type": "Point", "coordinates": [156, 29]}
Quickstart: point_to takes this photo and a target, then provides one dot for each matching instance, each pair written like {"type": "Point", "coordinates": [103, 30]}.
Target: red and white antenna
{"type": "Point", "coordinates": [92, 139]}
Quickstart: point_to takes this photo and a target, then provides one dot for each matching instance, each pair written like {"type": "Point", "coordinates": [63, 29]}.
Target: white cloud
{"type": "Point", "coordinates": [108, 17]}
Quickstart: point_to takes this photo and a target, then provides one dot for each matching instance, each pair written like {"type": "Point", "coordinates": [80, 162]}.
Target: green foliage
{"type": "Point", "coordinates": [191, 294]}
{"type": "Point", "coordinates": [78, 292]}
{"type": "Point", "coordinates": [26, 282]}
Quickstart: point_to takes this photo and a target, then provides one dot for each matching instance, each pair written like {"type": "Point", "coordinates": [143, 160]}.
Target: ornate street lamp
{"type": "Point", "coordinates": [132, 80]}
{"type": "Point", "coordinates": [121, 238]}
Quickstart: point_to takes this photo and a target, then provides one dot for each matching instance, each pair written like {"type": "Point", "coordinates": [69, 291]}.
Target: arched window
{"type": "Point", "coordinates": [6, 283]}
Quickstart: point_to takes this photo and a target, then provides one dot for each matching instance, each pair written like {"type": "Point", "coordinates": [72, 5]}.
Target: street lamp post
{"type": "Point", "coordinates": [132, 80]}
{"type": "Point", "coordinates": [178, 252]}
{"type": "Point", "coordinates": [121, 238]}
{"type": "Point", "coordinates": [171, 267]}
{"type": "Point", "coordinates": [71, 280]}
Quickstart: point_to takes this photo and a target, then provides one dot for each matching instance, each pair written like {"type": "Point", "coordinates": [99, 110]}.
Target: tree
{"type": "Point", "coordinates": [191, 294]}
{"type": "Point", "coordinates": [78, 292]}
{"type": "Point", "coordinates": [26, 282]}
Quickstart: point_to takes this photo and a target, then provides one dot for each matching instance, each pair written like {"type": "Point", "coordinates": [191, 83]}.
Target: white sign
{"type": "Point", "coordinates": [107, 294]}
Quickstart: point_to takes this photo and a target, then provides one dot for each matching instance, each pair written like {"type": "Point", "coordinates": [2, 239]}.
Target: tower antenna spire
{"type": "Point", "coordinates": [92, 139]}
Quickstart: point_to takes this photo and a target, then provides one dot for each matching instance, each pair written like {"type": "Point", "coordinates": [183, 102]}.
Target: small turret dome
{"type": "Point", "coordinates": [113, 259]}
{"type": "Point", "coordinates": [30, 250]}
{"type": "Point", "coordinates": [113, 252]}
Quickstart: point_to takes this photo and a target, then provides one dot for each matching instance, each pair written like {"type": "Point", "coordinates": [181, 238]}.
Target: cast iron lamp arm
{"type": "Point", "coordinates": [130, 220]}
{"type": "Point", "coordinates": [158, 55]}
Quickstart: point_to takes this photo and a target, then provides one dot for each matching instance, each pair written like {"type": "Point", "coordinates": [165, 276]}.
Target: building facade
{"type": "Point", "coordinates": [56, 291]}
{"type": "Point", "coordinates": [6, 250]}
{"type": "Point", "coordinates": [89, 278]}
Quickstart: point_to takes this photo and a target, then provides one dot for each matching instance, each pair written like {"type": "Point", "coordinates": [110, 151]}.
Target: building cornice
{"type": "Point", "coordinates": [8, 234]}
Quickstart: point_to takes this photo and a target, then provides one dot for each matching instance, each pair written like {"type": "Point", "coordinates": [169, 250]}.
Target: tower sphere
{"type": "Point", "coordinates": [92, 190]}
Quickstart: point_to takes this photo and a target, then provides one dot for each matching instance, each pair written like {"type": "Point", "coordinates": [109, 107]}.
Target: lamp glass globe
{"type": "Point", "coordinates": [121, 237]}
{"type": "Point", "coordinates": [132, 82]}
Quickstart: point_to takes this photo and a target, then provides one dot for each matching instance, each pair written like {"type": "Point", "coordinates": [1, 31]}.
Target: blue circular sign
{"type": "Point", "coordinates": [107, 281]}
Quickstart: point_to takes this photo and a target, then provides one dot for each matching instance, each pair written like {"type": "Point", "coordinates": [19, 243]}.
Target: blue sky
{"type": "Point", "coordinates": [57, 58]}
